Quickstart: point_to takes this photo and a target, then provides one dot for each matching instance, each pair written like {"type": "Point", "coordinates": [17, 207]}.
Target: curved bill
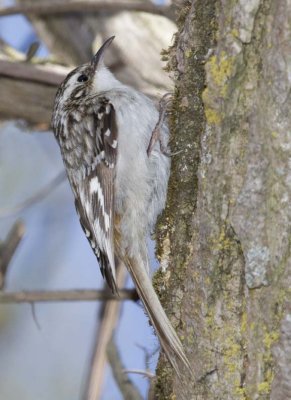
{"type": "Point", "coordinates": [100, 53]}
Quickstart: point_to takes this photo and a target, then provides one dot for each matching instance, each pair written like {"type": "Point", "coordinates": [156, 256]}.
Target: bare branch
{"type": "Point", "coordinates": [66, 295]}
{"type": "Point", "coordinates": [7, 249]}
{"type": "Point", "coordinates": [29, 90]}
{"type": "Point", "coordinates": [48, 74]}
{"type": "Point", "coordinates": [125, 385]}
{"type": "Point", "coordinates": [57, 7]}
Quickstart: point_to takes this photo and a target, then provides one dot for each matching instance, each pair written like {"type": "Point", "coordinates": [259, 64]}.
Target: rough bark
{"type": "Point", "coordinates": [225, 236]}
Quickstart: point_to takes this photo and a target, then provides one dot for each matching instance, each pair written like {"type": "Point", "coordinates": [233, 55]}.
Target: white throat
{"type": "Point", "coordinates": [104, 80]}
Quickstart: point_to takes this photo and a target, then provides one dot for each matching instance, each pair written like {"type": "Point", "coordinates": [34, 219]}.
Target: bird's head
{"type": "Point", "coordinates": [88, 79]}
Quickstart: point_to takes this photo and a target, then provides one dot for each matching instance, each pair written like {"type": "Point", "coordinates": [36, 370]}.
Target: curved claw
{"type": "Point", "coordinates": [169, 153]}
{"type": "Point", "coordinates": [163, 104]}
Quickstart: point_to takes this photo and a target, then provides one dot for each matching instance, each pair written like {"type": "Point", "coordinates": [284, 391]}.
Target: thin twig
{"type": "Point", "coordinates": [147, 355]}
{"type": "Point", "coordinates": [33, 312]}
{"type": "Point", "coordinates": [126, 386]}
{"type": "Point", "coordinates": [110, 313]}
{"type": "Point", "coordinates": [143, 372]}
{"type": "Point", "coordinates": [35, 198]}
{"type": "Point", "coordinates": [66, 295]}
{"type": "Point", "coordinates": [57, 7]}
{"type": "Point", "coordinates": [8, 248]}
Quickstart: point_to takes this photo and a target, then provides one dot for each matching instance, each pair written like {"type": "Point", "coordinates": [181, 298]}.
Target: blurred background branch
{"type": "Point", "coordinates": [41, 296]}
{"type": "Point", "coordinates": [29, 90]}
{"type": "Point", "coordinates": [126, 386]}
{"type": "Point", "coordinates": [48, 74]}
{"type": "Point", "coordinates": [108, 318]}
{"type": "Point", "coordinates": [84, 7]}
{"type": "Point", "coordinates": [80, 27]}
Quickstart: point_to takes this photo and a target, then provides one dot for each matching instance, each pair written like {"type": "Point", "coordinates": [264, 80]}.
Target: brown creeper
{"type": "Point", "coordinates": [104, 128]}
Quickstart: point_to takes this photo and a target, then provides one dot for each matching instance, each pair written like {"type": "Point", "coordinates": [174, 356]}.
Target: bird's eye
{"type": "Point", "coordinates": [82, 78]}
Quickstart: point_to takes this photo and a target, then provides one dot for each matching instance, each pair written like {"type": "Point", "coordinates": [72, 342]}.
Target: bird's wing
{"type": "Point", "coordinates": [94, 195]}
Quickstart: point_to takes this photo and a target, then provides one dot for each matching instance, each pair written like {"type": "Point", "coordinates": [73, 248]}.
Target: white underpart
{"type": "Point", "coordinates": [104, 81]}
{"type": "Point", "coordinates": [141, 181]}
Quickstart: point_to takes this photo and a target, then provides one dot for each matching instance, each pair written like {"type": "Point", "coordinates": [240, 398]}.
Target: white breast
{"type": "Point", "coordinates": [141, 182]}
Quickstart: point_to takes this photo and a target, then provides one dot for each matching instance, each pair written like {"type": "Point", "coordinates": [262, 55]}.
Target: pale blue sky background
{"type": "Point", "coordinates": [51, 362]}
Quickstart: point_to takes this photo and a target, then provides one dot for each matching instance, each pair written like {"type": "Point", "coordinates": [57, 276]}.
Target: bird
{"type": "Point", "coordinates": [104, 128]}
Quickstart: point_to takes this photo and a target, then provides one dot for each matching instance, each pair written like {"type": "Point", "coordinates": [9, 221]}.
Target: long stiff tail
{"type": "Point", "coordinates": [168, 337]}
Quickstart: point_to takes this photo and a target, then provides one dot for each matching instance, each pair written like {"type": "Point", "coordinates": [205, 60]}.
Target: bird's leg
{"type": "Point", "coordinates": [156, 134]}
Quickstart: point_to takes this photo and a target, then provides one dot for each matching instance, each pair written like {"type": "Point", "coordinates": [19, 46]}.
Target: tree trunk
{"type": "Point", "coordinates": [224, 239]}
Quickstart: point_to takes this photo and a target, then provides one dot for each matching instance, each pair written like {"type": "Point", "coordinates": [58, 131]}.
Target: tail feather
{"type": "Point", "coordinates": [168, 337]}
